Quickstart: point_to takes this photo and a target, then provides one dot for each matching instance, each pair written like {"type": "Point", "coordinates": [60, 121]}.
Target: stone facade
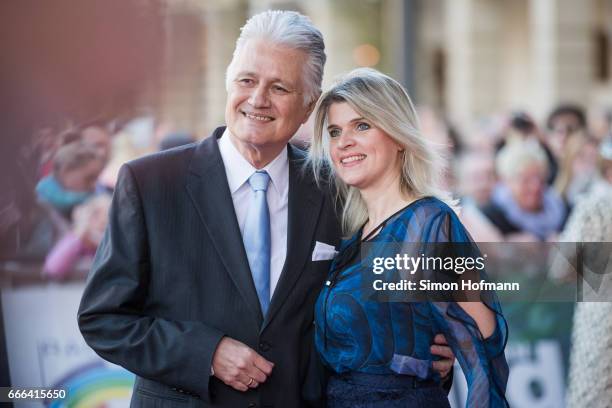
{"type": "Point", "coordinates": [464, 58]}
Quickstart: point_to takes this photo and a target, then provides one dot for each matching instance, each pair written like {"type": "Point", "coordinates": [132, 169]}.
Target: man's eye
{"type": "Point", "coordinates": [246, 81]}
{"type": "Point", "coordinates": [279, 89]}
{"type": "Point", "coordinates": [363, 126]}
{"type": "Point", "coordinates": [334, 133]}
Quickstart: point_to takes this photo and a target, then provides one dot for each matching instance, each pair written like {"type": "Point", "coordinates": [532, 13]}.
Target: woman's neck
{"type": "Point", "coordinates": [382, 203]}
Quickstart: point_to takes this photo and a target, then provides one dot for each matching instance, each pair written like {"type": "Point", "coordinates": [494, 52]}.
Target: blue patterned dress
{"type": "Point", "coordinates": [379, 352]}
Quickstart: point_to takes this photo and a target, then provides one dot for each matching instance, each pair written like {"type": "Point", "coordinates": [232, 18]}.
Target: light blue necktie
{"type": "Point", "coordinates": [256, 237]}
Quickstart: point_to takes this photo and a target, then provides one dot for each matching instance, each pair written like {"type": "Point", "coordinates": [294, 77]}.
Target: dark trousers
{"type": "Point", "coordinates": [361, 390]}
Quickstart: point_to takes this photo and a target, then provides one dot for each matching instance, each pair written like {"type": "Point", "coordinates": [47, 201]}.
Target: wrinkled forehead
{"type": "Point", "coordinates": [271, 61]}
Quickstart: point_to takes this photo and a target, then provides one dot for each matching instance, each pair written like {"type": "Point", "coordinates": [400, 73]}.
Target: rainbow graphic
{"type": "Point", "coordinates": [94, 385]}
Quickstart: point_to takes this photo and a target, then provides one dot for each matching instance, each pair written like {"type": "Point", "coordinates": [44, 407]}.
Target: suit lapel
{"type": "Point", "coordinates": [304, 206]}
{"type": "Point", "coordinates": [207, 186]}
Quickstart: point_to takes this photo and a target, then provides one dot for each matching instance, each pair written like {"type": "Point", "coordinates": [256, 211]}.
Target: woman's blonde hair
{"type": "Point", "coordinates": [386, 105]}
{"type": "Point", "coordinates": [574, 145]}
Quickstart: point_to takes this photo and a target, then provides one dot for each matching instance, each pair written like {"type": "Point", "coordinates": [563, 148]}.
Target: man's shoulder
{"type": "Point", "coordinates": [159, 160]}
{"type": "Point", "coordinates": [298, 158]}
{"type": "Point", "coordinates": [297, 152]}
{"type": "Point", "coordinates": [323, 184]}
{"type": "Point", "coordinates": [180, 158]}
{"type": "Point", "coordinates": [165, 169]}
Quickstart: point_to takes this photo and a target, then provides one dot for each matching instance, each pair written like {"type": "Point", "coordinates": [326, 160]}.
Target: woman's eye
{"type": "Point", "coordinates": [363, 126]}
{"type": "Point", "coordinates": [334, 133]}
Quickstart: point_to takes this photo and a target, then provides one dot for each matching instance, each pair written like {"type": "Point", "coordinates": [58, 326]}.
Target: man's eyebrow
{"type": "Point", "coordinates": [245, 73]}
{"type": "Point", "coordinates": [275, 79]}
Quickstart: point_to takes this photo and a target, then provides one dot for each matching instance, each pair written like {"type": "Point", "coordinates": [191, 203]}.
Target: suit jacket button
{"type": "Point", "coordinates": [252, 405]}
{"type": "Point", "coordinates": [173, 389]}
{"type": "Point", "coordinates": [264, 346]}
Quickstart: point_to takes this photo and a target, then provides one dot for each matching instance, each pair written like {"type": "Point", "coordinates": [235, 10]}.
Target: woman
{"type": "Point", "coordinates": [367, 140]}
{"type": "Point", "coordinates": [76, 168]}
{"type": "Point", "coordinates": [590, 366]}
{"type": "Point", "coordinates": [523, 207]}
{"type": "Point", "coordinates": [75, 250]}
{"type": "Point", "coordinates": [577, 169]}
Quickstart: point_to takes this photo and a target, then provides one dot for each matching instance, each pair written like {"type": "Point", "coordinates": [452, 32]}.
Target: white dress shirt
{"type": "Point", "coordinates": [238, 171]}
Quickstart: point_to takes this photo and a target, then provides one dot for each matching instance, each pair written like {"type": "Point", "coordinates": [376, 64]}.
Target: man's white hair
{"type": "Point", "coordinates": [290, 29]}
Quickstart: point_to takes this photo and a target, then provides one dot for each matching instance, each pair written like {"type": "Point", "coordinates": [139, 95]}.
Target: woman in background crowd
{"type": "Point", "coordinates": [80, 242]}
{"type": "Point", "coordinates": [590, 224]}
{"type": "Point", "coordinates": [76, 168]}
{"type": "Point", "coordinates": [94, 134]}
{"type": "Point", "coordinates": [523, 207]}
{"type": "Point", "coordinates": [578, 168]}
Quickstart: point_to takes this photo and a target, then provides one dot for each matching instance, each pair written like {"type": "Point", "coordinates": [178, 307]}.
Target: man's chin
{"type": "Point", "coordinates": [253, 138]}
{"type": "Point", "coordinates": [257, 139]}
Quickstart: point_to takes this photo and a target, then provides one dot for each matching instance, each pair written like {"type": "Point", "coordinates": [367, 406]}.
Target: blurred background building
{"type": "Point", "coordinates": [467, 59]}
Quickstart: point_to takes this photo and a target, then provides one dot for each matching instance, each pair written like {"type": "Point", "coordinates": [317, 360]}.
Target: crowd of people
{"type": "Point", "coordinates": [74, 191]}
{"type": "Point", "coordinates": [521, 183]}
{"type": "Point", "coordinates": [524, 184]}
{"type": "Point", "coordinates": [552, 185]}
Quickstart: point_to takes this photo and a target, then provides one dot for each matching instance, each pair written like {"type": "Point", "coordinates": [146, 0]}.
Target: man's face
{"type": "Point", "coordinates": [528, 186]}
{"type": "Point", "coordinates": [477, 177]}
{"type": "Point", "coordinates": [265, 103]}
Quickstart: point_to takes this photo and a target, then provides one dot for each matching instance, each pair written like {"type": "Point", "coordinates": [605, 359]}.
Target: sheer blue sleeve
{"type": "Point", "coordinates": [482, 360]}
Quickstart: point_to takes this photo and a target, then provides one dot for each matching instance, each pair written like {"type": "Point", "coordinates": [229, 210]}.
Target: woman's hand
{"type": "Point", "coordinates": [441, 349]}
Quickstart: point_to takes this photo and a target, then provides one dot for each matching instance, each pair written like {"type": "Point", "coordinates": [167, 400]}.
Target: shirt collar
{"type": "Point", "coordinates": [238, 169]}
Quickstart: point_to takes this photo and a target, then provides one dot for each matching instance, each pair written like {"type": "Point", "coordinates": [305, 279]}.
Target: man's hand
{"type": "Point", "coordinates": [441, 349]}
{"type": "Point", "coordinates": [239, 366]}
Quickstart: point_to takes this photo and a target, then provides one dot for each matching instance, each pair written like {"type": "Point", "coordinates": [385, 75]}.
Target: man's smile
{"type": "Point", "coordinates": [258, 117]}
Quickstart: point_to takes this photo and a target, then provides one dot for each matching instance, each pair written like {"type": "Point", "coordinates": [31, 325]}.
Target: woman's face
{"type": "Point", "coordinates": [98, 138]}
{"type": "Point", "coordinates": [363, 155]}
{"type": "Point", "coordinates": [585, 163]}
{"type": "Point", "coordinates": [83, 178]}
{"type": "Point", "coordinates": [563, 127]}
{"type": "Point", "coordinates": [528, 186]}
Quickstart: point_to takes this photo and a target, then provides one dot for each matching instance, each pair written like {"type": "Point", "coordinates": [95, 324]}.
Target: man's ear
{"type": "Point", "coordinates": [309, 109]}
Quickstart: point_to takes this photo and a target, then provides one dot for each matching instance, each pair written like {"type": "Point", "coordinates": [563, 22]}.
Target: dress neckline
{"type": "Point", "coordinates": [374, 233]}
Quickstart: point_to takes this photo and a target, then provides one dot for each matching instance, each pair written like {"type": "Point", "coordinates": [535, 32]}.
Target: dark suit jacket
{"type": "Point", "coordinates": [171, 278]}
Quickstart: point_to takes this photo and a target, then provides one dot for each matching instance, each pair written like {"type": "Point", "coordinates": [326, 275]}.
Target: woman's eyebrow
{"type": "Point", "coordinates": [350, 121]}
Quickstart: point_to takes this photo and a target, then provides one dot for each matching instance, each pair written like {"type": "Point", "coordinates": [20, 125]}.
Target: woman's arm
{"type": "Point", "coordinates": [482, 315]}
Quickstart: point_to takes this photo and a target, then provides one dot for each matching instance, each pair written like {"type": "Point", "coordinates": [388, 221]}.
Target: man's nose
{"type": "Point", "coordinates": [259, 97]}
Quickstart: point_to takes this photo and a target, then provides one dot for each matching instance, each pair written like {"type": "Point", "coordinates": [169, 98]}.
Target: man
{"type": "Point", "coordinates": [173, 295]}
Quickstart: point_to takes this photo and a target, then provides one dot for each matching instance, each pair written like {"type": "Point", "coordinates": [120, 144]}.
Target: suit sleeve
{"type": "Point", "coordinates": [112, 316]}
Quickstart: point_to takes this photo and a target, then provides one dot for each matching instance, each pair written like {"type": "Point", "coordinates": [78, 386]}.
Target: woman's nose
{"type": "Point", "coordinates": [345, 140]}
